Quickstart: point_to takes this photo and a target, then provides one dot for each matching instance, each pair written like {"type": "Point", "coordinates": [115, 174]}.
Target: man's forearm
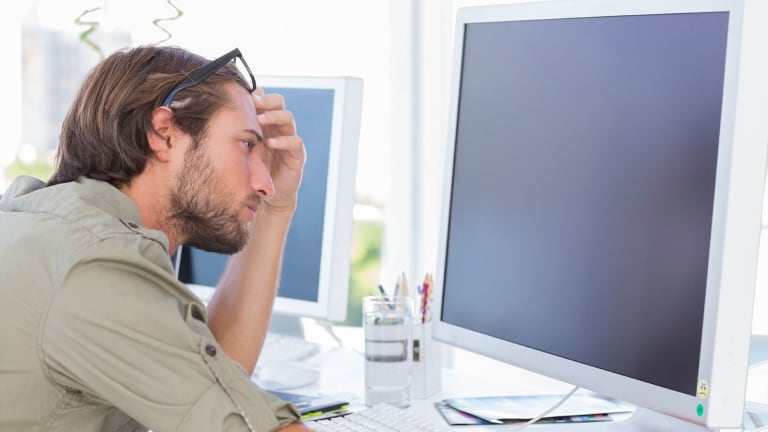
{"type": "Point", "coordinates": [239, 312]}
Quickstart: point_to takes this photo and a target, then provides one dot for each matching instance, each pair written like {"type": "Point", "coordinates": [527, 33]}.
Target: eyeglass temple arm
{"type": "Point", "coordinates": [201, 74]}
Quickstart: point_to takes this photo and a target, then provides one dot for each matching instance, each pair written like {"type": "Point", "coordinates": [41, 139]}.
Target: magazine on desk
{"type": "Point", "coordinates": [513, 409]}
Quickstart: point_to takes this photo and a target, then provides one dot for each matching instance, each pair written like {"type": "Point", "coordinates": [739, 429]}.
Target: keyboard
{"type": "Point", "coordinates": [283, 348]}
{"type": "Point", "coordinates": [379, 418]}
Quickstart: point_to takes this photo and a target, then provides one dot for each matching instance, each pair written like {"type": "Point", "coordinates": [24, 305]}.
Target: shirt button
{"type": "Point", "coordinates": [210, 349]}
{"type": "Point", "coordinates": [133, 225]}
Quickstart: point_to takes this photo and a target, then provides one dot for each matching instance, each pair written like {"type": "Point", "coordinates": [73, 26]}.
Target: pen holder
{"type": "Point", "coordinates": [425, 372]}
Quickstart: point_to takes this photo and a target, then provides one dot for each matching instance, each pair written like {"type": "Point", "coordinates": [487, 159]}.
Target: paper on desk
{"type": "Point", "coordinates": [506, 408]}
{"type": "Point", "coordinates": [455, 417]}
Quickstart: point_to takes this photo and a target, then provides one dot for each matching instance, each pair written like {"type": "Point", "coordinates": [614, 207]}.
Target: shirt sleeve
{"type": "Point", "coordinates": [127, 334]}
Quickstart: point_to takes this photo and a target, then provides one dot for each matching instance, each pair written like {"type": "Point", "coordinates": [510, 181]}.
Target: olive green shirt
{"type": "Point", "coordinates": [96, 332]}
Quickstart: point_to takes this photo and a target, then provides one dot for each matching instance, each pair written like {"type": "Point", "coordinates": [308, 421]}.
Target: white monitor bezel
{"type": "Point", "coordinates": [736, 219]}
{"type": "Point", "coordinates": [333, 289]}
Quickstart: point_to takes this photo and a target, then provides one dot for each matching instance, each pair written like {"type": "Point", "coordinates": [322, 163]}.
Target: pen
{"type": "Point", "coordinates": [386, 298]}
{"type": "Point", "coordinates": [428, 311]}
{"type": "Point", "coordinates": [425, 293]}
{"type": "Point", "coordinates": [333, 409]}
{"type": "Point", "coordinates": [404, 286]}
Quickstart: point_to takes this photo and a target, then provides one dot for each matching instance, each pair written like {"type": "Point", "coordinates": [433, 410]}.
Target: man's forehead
{"type": "Point", "coordinates": [241, 111]}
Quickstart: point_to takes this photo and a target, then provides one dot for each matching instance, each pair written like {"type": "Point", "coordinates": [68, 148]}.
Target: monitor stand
{"type": "Point", "coordinates": [758, 349]}
{"type": "Point", "coordinates": [286, 325]}
{"type": "Point", "coordinates": [756, 413]}
{"type": "Point", "coordinates": [647, 420]}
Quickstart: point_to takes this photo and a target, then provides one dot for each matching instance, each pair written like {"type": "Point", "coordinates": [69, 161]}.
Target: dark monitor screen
{"type": "Point", "coordinates": [583, 186]}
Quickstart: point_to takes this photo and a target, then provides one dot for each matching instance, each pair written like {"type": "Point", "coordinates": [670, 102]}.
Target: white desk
{"type": "Point", "coordinates": [342, 372]}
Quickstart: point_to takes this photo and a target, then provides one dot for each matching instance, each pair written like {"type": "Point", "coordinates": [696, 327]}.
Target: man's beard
{"type": "Point", "coordinates": [200, 208]}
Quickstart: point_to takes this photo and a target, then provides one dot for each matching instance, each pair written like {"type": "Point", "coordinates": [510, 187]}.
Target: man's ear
{"type": "Point", "coordinates": [159, 138]}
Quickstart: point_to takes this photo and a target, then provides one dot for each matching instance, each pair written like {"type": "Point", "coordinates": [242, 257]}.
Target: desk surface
{"type": "Point", "coordinates": [342, 372]}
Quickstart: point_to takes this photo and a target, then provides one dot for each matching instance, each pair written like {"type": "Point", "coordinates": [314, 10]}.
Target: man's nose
{"type": "Point", "coordinates": [261, 179]}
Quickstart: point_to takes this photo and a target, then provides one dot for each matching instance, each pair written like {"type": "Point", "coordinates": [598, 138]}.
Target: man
{"type": "Point", "coordinates": [160, 148]}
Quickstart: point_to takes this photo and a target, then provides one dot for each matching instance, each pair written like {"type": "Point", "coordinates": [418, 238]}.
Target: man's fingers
{"type": "Point", "coordinates": [292, 143]}
{"type": "Point", "coordinates": [279, 122]}
{"type": "Point", "coordinates": [268, 102]}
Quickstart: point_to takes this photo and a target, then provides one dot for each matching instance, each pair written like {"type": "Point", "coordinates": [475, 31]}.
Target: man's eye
{"type": "Point", "coordinates": [249, 144]}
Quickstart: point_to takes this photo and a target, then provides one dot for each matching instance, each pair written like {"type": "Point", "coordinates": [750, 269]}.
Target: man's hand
{"type": "Point", "coordinates": [284, 154]}
{"type": "Point", "coordinates": [295, 427]}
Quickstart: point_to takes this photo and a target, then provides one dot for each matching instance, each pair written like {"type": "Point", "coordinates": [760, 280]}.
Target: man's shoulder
{"type": "Point", "coordinates": [84, 218]}
{"type": "Point", "coordinates": [91, 207]}
{"type": "Point", "coordinates": [21, 185]}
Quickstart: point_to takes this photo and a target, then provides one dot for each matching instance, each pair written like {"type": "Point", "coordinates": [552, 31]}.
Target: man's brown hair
{"type": "Point", "coordinates": [104, 135]}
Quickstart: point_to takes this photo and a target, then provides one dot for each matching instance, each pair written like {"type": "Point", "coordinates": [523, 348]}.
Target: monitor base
{"type": "Point", "coordinates": [288, 325]}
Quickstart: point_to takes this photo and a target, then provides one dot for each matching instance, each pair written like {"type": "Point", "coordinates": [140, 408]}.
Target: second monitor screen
{"type": "Point", "coordinates": [300, 278]}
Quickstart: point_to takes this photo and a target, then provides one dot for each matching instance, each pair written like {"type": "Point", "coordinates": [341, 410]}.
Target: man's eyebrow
{"type": "Point", "coordinates": [255, 133]}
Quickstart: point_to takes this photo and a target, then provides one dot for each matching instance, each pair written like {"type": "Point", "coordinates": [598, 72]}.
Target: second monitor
{"type": "Point", "coordinates": [314, 281]}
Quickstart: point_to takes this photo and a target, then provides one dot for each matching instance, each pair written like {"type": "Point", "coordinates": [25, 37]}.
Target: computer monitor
{"type": "Point", "coordinates": [604, 179]}
{"type": "Point", "coordinates": [314, 281]}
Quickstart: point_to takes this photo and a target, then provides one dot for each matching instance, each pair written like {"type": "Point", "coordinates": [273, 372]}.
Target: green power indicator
{"type": "Point", "coordinates": [700, 410]}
